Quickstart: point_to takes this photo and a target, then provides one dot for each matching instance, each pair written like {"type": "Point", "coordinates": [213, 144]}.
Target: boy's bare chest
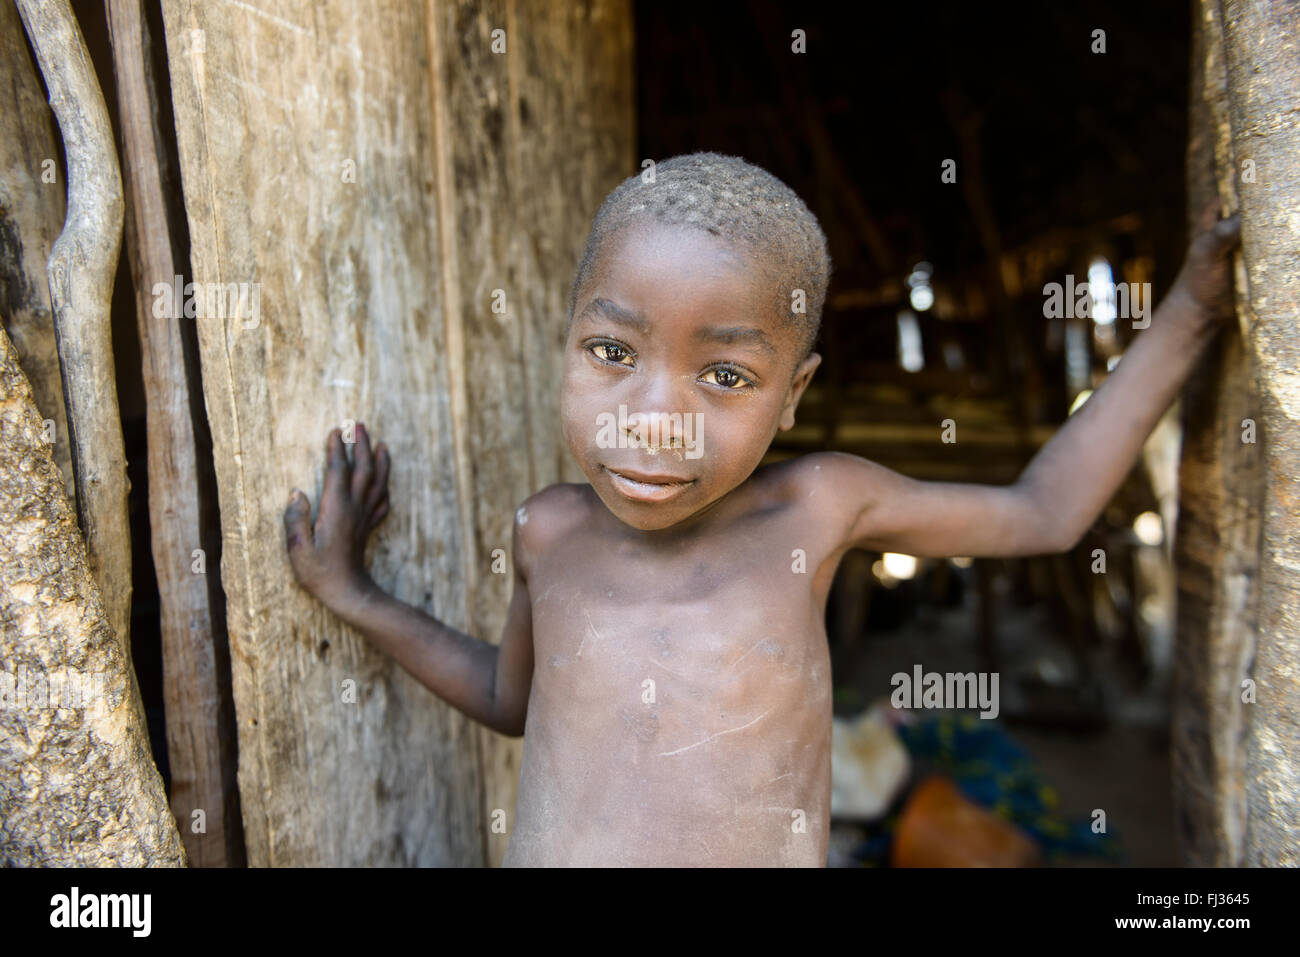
{"type": "Point", "coordinates": [698, 622]}
{"type": "Point", "coordinates": [680, 705]}
{"type": "Point", "coordinates": [677, 702]}
{"type": "Point", "coordinates": [718, 658]}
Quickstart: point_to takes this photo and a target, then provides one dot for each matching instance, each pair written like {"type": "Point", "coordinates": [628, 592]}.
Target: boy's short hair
{"type": "Point", "coordinates": [738, 202]}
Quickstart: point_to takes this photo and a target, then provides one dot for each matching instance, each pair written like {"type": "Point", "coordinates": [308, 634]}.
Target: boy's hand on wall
{"type": "Point", "coordinates": [1206, 273]}
{"type": "Point", "coordinates": [328, 558]}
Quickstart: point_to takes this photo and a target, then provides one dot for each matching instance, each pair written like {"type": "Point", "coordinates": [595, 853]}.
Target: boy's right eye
{"type": "Point", "coordinates": [610, 352]}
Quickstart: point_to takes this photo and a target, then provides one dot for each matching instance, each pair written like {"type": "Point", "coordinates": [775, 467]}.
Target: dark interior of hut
{"type": "Point", "coordinates": [1066, 161]}
{"type": "Point", "coordinates": [1064, 158]}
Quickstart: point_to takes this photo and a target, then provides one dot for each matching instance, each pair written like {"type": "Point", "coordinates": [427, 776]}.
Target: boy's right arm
{"type": "Point", "coordinates": [487, 683]}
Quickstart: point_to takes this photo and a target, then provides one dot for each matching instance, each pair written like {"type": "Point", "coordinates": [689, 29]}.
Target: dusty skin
{"type": "Point", "coordinates": [665, 654]}
{"type": "Point", "coordinates": [681, 692]}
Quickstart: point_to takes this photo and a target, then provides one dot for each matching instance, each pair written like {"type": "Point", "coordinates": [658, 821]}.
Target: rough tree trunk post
{"type": "Point", "coordinates": [1217, 541]}
{"type": "Point", "coordinates": [31, 216]}
{"type": "Point", "coordinates": [81, 272]}
{"type": "Point", "coordinates": [196, 666]}
{"type": "Point", "coordinates": [377, 173]}
{"type": "Point", "coordinates": [78, 786]}
{"type": "Point", "coordinates": [1262, 51]}
{"type": "Point", "coordinates": [1237, 712]}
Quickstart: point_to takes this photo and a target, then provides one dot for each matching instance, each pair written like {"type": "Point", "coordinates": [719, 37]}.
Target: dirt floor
{"type": "Point", "coordinates": [1125, 770]}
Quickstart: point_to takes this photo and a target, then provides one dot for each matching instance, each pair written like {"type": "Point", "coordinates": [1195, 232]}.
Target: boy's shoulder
{"type": "Point", "coordinates": [813, 472]}
{"type": "Point", "coordinates": [831, 488]}
{"type": "Point", "coordinates": [547, 516]}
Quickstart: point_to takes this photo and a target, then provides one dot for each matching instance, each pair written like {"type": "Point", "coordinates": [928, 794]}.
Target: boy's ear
{"type": "Point", "coordinates": [802, 376]}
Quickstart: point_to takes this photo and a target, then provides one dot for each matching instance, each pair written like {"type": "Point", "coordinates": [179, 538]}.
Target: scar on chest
{"type": "Point", "coordinates": [768, 648]}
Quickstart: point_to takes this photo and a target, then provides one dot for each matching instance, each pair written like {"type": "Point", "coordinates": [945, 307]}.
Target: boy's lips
{"type": "Point", "coordinates": [647, 486]}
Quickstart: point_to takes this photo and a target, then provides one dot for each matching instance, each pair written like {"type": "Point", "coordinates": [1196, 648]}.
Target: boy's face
{"type": "Point", "coordinates": [677, 375]}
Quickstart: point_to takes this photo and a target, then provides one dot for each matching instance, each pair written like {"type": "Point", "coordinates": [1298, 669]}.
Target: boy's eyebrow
{"type": "Point", "coordinates": [733, 334]}
{"type": "Point", "coordinates": [749, 335]}
{"type": "Point", "coordinates": [617, 314]}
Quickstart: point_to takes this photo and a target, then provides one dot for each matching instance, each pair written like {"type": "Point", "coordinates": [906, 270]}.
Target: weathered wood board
{"type": "Point", "coordinates": [377, 171]}
{"type": "Point", "coordinates": [32, 206]}
{"type": "Point", "coordinates": [200, 720]}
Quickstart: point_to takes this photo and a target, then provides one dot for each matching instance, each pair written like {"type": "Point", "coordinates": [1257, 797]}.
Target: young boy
{"type": "Point", "coordinates": [665, 647]}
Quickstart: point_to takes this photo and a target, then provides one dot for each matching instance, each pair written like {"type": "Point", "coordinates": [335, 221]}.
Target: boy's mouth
{"type": "Point", "coordinates": [645, 486]}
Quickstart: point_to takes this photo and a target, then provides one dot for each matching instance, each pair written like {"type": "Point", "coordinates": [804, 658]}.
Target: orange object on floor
{"type": "Point", "coordinates": [941, 827]}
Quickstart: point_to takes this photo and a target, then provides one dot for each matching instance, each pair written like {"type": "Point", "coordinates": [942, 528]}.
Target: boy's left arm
{"type": "Point", "coordinates": [1074, 475]}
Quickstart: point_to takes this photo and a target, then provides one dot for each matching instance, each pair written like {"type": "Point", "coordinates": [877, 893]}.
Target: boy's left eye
{"type": "Point", "coordinates": [610, 352]}
{"type": "Point", "coordinates": [728, 378]}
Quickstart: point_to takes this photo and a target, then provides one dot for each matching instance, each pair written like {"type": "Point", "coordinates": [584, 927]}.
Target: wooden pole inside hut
{"type": "Point", "coordinates": [196, 667]}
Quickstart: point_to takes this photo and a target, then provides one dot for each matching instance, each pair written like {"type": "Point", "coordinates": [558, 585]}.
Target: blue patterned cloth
{"type": "Point", "coordinates": [992, 770]}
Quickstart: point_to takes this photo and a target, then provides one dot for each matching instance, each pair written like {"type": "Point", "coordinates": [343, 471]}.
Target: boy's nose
{"type": "Point", "coordinates": [657, 431]}
{"type": "Point", "coordinates": [665, 392]}
{"type": "Point", "coordinates": [664, 405]}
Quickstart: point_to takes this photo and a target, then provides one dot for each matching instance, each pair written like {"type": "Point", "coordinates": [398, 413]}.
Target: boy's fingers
{"type": "Point", "coordinates": [337, 472]}
{"type": "Point", "coordinates": [1227, 232]}
{"type": "Point", "coordinates": [379, 483]}
{"type": "Point", "coordinates": [1209, 215]}
{"type": "Point", "coordinates": [297, 521]}
{"type": "Point", "coordinates": [1223, 233]}
{"type": "Point", "coordinates": [378, 514]}
{"type": "Point", "coordinates": [362, 468]}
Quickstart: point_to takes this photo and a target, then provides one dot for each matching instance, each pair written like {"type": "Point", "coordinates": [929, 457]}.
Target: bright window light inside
{"type": "Point", "coordinates": [1101, 288]}
{"type": "Point", "coordinates": [899, 566]}
{"type": "Point", "coordinates": [918, 280]}
{"type": "Point", "coordinates": [882, 576]}
{"type": "Point", "coordinates": [910, 356]}
{"type": "Point", "coordinates": [1149, 529]}
{"type": "Point", "coordinates": [1077, 357]}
